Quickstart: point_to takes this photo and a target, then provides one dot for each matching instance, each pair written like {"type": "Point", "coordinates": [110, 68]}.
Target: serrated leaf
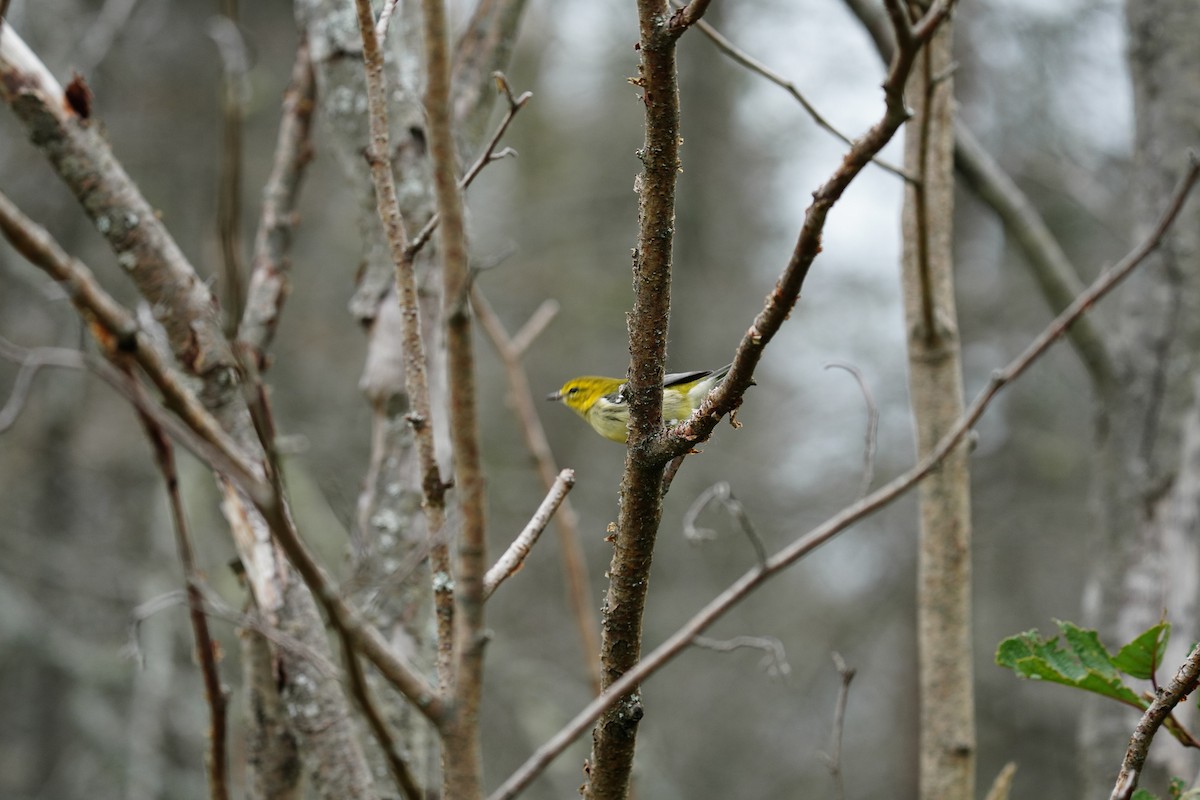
{"type": "Point", "coordinates": [1086, 665]}
{"type": "Point", "coordinates": [1086, 644]}
{"type": "Point", "coordinates": [1144, 654]}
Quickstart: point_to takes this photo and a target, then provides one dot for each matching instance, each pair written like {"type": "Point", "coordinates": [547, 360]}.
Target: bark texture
{"type": "Point", "coordinates": [73, 143]}
{"type": "Point", "coordinates": [615, 735]}
{"type": "Point", "coordinates": [947, 743]}
{"type": "Point", "coordinates": [1148, 479]}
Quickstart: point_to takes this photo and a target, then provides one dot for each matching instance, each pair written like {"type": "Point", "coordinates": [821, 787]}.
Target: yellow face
{"type": "Point", "coordinates": [592, 398]}
{"type": "Point", "coordinates": [580, 394]}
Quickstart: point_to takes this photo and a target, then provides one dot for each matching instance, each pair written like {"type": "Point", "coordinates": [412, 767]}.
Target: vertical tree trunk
{"type": "Point", "coordinates": [1147, 486]}
{"type": "Point", "coordinates": [947, 739]}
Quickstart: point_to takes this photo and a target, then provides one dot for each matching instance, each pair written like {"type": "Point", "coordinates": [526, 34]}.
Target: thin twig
{"type": "Point", "coordinates": [462, 758]}
{"type": "Point", "coordinates": [216, 608]}
{"type": "Point", "coordinates": [514, 557]}
{"type": "Point", "coordinates": [722, 493]}
{"type": "Point", "coordinates": [1183, 684]}
{"type": "Point", "coordinates": [347, 620]}
{"type": "Point", "coordinates": [117, 329]}
{"type": "Point", "coordinates": [489, 154]}
{"type": "Point", "coordinates": [566, 521]}
{"type": "Point", "coordinates": [872, 433]}
{"type": "Point", "coordinates": [833, 759]}
{"type": "Point", "coordinates": [405, 781]}
{"type": "Point", "coordinates": [124, 385]}
{"type": "Point", "coordinates": [671, 471]}
{"type": "Point", "coordinates": [268, 286]}
{"type": "Point", "coordinates": [1002, 786]}
{"type": "Point", "coordinates": [385, 19]}
{"type": "Point", "coordinates": [102, 31]}
{"type": "Point", "coordinates": [688, 15]}
{"type": "Point", "coordinates": [739, 56]}
{"type": "Point", "coordinates": [223, 29]}
{"type": "Point", "coordinates": [355, 633]}
{"type": "Point", "coordinates": [780, 303]}
{"type": "Point", "coordinates": [206, 648]}
{"type": "Point", "coordinates": [850, 515]}
{"type": "Point", "coordinates": [78, 150]}
{"type": "Point", "coordinates": [30, 360]}
{"type": "Point", "coordinates": [416, 382]}
{"type": "Point", "coordinates": [542, 316]}
{"type": "Point", "coordinates": [1057, 277]}
{"type": "Point", "coordinates": [774, 659]}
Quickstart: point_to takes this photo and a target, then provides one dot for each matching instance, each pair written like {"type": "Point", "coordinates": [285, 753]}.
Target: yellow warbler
{"type": "Point", "coordinates": [602, 402]}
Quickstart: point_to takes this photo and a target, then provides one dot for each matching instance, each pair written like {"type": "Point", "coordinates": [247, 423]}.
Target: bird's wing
{"type": "Point", "coordinates": [676, 378]}
{"type": "Point", "coordinates": [619, 397]}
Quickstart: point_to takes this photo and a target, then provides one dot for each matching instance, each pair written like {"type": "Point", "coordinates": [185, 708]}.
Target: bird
{"type": "Point", "coordinates": [604, 404]}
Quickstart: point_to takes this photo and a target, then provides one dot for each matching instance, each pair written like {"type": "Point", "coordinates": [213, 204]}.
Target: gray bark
{"type": "Point", "coordinates": [946, 675]}
{"type": "Point", "coordinates": [1148, 481]}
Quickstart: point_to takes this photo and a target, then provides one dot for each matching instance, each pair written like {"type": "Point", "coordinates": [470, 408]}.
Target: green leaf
{"type": "Point", "coordinates": [1144, 654]}
{"type": "Point", "coordinates": [1086, 644]}
{"type": "Point", "coordinates": [1142, 794]}
{"type": "Point", "coordinates": [1086, 665]}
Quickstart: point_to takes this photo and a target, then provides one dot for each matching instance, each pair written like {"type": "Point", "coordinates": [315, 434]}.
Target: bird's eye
{"type": "Point", "coordinates": [573, 390]}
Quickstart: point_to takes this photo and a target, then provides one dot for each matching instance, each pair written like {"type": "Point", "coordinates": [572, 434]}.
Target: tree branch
{"type": "Point", "coordinates": [566, 521]}
{"type": "Point", "coordinates": [1183, 684]}
{"type": "Point", "coordinates": [486, 157]}
{"type": "Point", "coordinates": [945, 665]}
{"type": "Point", "coordinates": [514, 557]}
{"type": "Point", "coordinates": [649, 450]}
{"type": "Point", "coordinates": [727, 396]}
{"type": "Point", "coordinates": [416, 381]}
{"type": "Point", "coordinates": [484, 47]}
{"type": "Point", "coordinates": [739, 56]}
{"type": "Point", "coordinates": [269, 283]}
{"type": "Point", "coordinates": [687, 16]}
{"type": "Point", "coordinates": [117, 330]}
{"type": "Point", "coordinates": [1056, 276]}
{"type": "Point", "coordinates": [463, 759]}
{"type": "Point", "coordinates": [223, 29]}
{"type": "Point", "coordinates": [206, 649]}
{"type": "Point", "coordinates": [615, 736]}
{"type": "Point", "coordinates": [850, 515]}
{"type": "Point", "coordinates": [1052, 269]}
{"type": "Point", "coordinates": [145, 250]}
{"type": "Point", "coordinates": [833, 758]}
{"type": "Point", "coordinates": [125, 337]}
{"type": "Point", "coordinates": [405, 781]}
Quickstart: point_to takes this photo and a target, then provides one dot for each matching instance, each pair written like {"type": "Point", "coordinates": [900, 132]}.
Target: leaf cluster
{"type": "Point", "coordinates": [1084, 662]}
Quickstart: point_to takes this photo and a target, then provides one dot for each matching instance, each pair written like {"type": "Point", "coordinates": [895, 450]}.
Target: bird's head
{"type": "Point", "coordinates": [580, 394]}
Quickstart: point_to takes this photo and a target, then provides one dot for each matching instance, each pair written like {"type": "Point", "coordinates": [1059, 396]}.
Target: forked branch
{"type": "Point", "coordinates": [852, 514]}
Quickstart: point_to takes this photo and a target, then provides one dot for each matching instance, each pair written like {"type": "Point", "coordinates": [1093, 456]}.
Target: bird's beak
{"type": "Point", "coordinates": [555, 396]}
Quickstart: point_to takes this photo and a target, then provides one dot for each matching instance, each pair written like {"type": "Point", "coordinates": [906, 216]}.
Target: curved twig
{"type": "Point", "coordinates": [872, 433]}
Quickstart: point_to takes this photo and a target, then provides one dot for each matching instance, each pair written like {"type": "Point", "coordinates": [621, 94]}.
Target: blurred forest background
{"type": "Point", "coordinates": [84, 527]}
